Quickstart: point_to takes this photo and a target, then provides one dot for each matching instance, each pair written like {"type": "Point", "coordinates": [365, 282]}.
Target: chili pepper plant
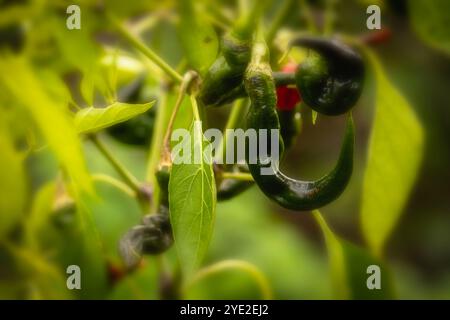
{"type": "Point", "coordinates": [102, 101]}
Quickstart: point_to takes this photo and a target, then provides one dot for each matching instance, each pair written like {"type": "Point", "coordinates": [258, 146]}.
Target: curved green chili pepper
{"type": "Point", "coordinates": [331, 82]}
{"type": "Point", "coordinates": [287, 192]}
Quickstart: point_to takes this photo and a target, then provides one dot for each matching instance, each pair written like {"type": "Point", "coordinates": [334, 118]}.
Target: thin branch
{"type": "Point", "coordinates": [250, 269]}
{"type": "Point", "coordinates": [236, 114]}
{"type": "Point", "coordinates": [187, 80]}
{"type": "Point", "coordinates": [280, 17]}
{"type": "Point", "coordinates": [139, 45]}
{"type": "Point", "coordinates": [101, 177]}
{"type": "Point", "coordinates": [237, 176]}
{"type": "Point", "coordinates": [129, 179]}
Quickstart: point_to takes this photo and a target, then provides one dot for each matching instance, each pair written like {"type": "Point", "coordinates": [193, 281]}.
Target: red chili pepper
{"type": "Point", "coordinates": [287, 96]}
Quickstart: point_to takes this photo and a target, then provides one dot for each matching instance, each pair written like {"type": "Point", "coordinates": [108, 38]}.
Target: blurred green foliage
{"type": "Point", "coordinates": [57, 208]}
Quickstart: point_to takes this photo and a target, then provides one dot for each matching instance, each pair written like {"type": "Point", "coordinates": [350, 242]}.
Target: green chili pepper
{"type": "Point", "coordinates": [332, 81]}
{"type": "Point", "coordinates": [287, 192]}
{"type": "Point", "coordinates": [223, 81]}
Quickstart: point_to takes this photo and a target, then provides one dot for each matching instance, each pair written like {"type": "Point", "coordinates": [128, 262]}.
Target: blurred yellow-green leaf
{"type": "Point", "coordinates": [430, 19]}
{"type": "Point", "coordinates": [197, 36]}
{"type": "Point", "coordinates": [52, 120]}
{"type": "Point", "coordinates": [13, 186]}
{"type": "Point", "coordinates": [350, 268]}
{"type": "Point", "coordinates": [393, 159]}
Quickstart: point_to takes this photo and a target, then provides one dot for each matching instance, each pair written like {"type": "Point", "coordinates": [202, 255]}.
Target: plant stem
{"type": "Point", "coordinates": [250, 269]}
{"type": "Point", "coordinates": [157, 138]}
{"type": "Point", "coordinates": [309, 17]}
{"type": "Point", "coordinates": [328, 26]}
{"type": "Point", "coordinates": [187, 79]}
{"type": "Point", "coordinates": [129, 179]}
{"type": "Point", "coordinates": [237, 176]}
{"type": "Point", "coordinates": [139, 45]}
{"type": "Point", "coordinates": [195, 107]}
{"type": "Point", "coordinates": [279, 19]}
{"type": "Point", "coordinates": [100, 177]}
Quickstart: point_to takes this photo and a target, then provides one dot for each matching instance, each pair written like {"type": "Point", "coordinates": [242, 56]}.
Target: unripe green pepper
{"type": "Point", "coordinates": [330, 81]}
{"type": "Point", "coordinates": [223, 81]}
{"type": "Point", "coordinates": [287, 192]}
{"type": "Point", "coordinates": [230, 188]}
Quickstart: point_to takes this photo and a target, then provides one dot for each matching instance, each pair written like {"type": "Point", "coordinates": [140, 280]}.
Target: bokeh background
{"type": "Point", "coordinates": [287, 247]}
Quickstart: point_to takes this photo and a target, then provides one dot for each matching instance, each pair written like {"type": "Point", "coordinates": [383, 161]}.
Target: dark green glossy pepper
{"type": "Point", "coordinates": [332, 81]}
{"type": "Point", "coordinates": [223, 81]}
{"type": "Point", "coordinates": [287, 192]}
{"type": "Point", "coordinates": [154, 234]}
{"type": "Point", "coordinates": [230, 188]}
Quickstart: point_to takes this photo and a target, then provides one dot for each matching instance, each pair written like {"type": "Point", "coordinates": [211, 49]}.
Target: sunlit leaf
{"type": "Point", "coordinates": [80, 51]}
{"type": "Point", "coordinates": [192, 198]}
{"type": "Point", "coordinates": [430, 19]}
{"type": "Point", "coordinates": [52, 120]}
{"type": "Point", "coordinates": [46, 281]}
{"type": "Point", "coordinates": [91, 119]}
{"type": "Point", "coordinates": [12, 183]}
{"type": "Point", "coordinates": [349, 268]}
{"type": "Point", "coordinates": [39, 215]}
{"type": "Point", "coordinates": [394, 155]}
{"type": "Point", "coordinates": [198, 38]}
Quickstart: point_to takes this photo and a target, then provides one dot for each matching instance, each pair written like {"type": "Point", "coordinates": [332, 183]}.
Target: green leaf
{"type": "Point", "coordinates": [430, 20]}
{"type": "Point", "coordinates": [40, 214]}
{"type": "Point", "coordinates": [198, 38]}
{"type": "Point", "coordinates": [394, 156]}
{"type": "Point", "coordinates": [192, 200]}
{"type": "Point", "coordinates": [349, 268]}
{"type": "Point", "coordinates": [52, 120]}
{"type": "Point", "coordinates": [45, 279]}
{"type": "Point", "coordinates": [94, 119]}
{"type": "Point", "coordinates": [79, 50]}
{"type": "Point", "coordinates": [12, 183]}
